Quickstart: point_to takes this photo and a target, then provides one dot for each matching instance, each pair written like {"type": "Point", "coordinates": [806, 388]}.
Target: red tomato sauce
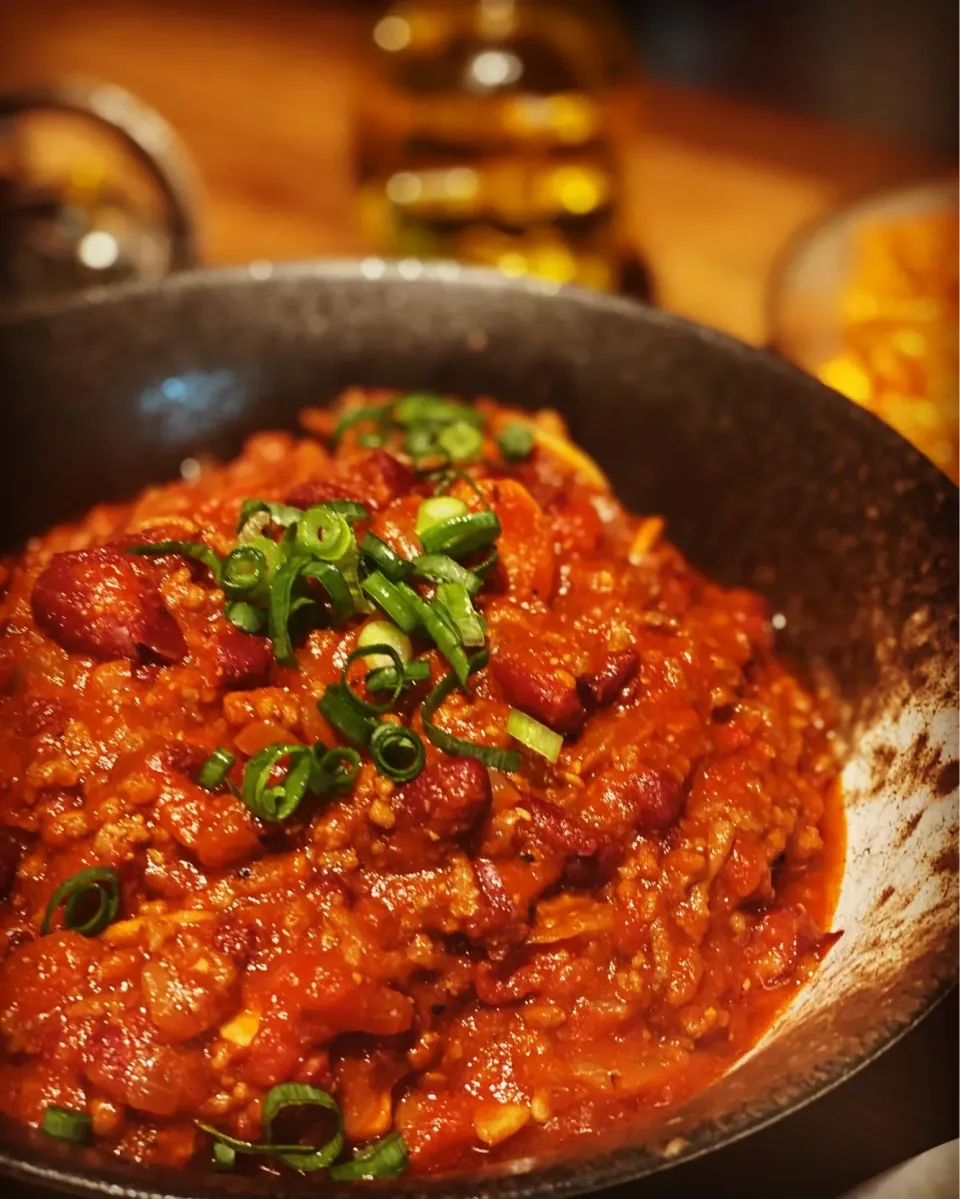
{"type": "Point", "coordinates": [493, 964]}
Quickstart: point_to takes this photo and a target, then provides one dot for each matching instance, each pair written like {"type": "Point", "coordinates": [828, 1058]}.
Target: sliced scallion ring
{"type": "Point", "coordinates": [99, 883]}
{"type": "Point", "coordinates": [336, 769]}
{"type": "Point", "coordinates": [400, 602]}
{"type": "Point", "coordinates": [215, 769]}
{"type": "Point", "coordinates": [335, 584]}
{"type": "Point", "coordinates": [455, 598]}
{"type": "Point", "coordinates": [385, 678]}
{"type": "Point", "coordinates": [323, 533]}
{"type": "Point", "coordinates": [336, 704]}
{"type": "Point", "coordinates": [446, 636]}
{"type": "Point", "coordinates": [423, 408]}
{"type": "Point", "coordinates": [244, 572]}
{"type": "Point", "coordinates": [496, 759]}
{"type": "Point", "coordinates": [382, 632]}
{"type": "Point", "coordinates": [437, 510]}
{"type": "Point", "coordinates": [392, 655]}
{"type": "Point", "coordinates": [385, 559]}
{"type": "Point", "coordinates": [375, 416]}
{"type": "Point", "coordinates": [460, 535]}
{"type": "Point", "coordinates": [439, 568]}
{"type": "Point", "coordinates": [350, 510]}
{"type": "Point", "coordinates": [276, 802]}
{"type": "Point", "coordinates": [461, 441]}
{"type": "Point", "coordinates": [397, 752]}
{"type": "Point", "coordinates": [66, 1125]}
{"type": "Point", "coordinates": [277, 514]}
{"type": "Point", "coordinates": [247, 617]}
{"type": "Point", "coordinates": [534, 735]}
{"type": "Point", "coordinates": [295, 1094]}
{"type": "Point", "coordinates": [386, 1158]}
{"type": "Point", "coordinates": [186, 549]}
{"type": "Point", "coordinates": [515, 441]}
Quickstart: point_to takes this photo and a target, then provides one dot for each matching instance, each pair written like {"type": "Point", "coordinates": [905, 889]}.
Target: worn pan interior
{"type": "Point", "coordinates": [767, 479]}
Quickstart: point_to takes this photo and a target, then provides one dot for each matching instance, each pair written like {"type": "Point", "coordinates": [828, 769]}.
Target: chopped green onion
{"type": "Point", "coordinates": [383, 632]}
{"type": "Point", "coordinates": [441, 569]}
{"type": "Point", "coordinates": [386, 1158]}
{"type": "Point", "coordinates": [332, 580]}
{"type": "Point", "coordinates": [440, 626]}
{"type": "Point", "coordinates": [295, 1094]}
{"type": "Point", "coordinates": [358, 416]}
{"type": "Point", "coordinates": [385, 559]}
{"type": "Point", "coordinates": [456, 599]}
{"type": "Point", "coordinates": [397, 752]}
{"type": "Point", "coordinates": [371, 440]}
{"type": "Point", "coordinates": [448, 478]}
{"type": "Point", "coordinates": [273, 552]}
{"type": "Point", "coordinates": [497, 759]}
{"type": "Point", "coordinates": [460, 535]}
{"type": "Point", "coordinates": [515, 441]}
{"type": "Point", "coordinates": [324, 533]}
{"type": "Point", "coordinates": [336, 769]}
{"type": "Point", "coordinates": [400, 602]}
{"type": "Point", "coordinates": [245, 616]}
{"type": "Point", "coordinates": [362, 705]}
{"type": "Point", "coordinates": [101, 883]}
{"type": "Point", "coordinates": [276, 802]}
{"type": "Point", "coordinates": [215, 769]}
{"type": "Point", "coordinates": [243, 572]}
{"type": "Point", "coordinates": [350, 510]}
{"type": "Point", "coordinates": [481, 568]}
{"type": "Point", "coordinates": [224, 1156]}
{"type": "Point", "coordinates": [461, 442]}
{"type": "Point", "coordinates": [336, 704]}
{"type": "Point", "coordinates": [278, 514]}
{"type": "Point", "coordinates": [252, 1147]}
{"type": "Point", "coordinates": [66, 1125]}
{"type": "Point", "coordinates": [436, 510]}
{"type": "Point", "coordinates": [421, 408]}
{"type": "Point", "coordinates": [278, 616]}
{"type": "Point", "coordinates": [534, 735]}
{"type": "Point", "coordinates": [385, 678]}
{"type": "Point", "coordinates": [186, 549]}
{"type": "Point", "coordinates": [421, 442]}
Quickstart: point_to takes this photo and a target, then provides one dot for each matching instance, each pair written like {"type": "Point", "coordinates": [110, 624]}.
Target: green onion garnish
{"type": "Point", "coordinates": [386, 1158]}
{"type": "Point", "coordinates": [515, 441]}
{"type": "Point", "coordinates": [215, 769]}
{"type": "Point", "coordinates": [276, 802]}
{"type": "Point", "coordinates": [461, 442]}
{"type": "Point", "coordinates": [362, 705]}
{"type": "Point", "coordinates": [295, 1094]}
{"type": "Point", "coordinates": [278, 616]}
{"type": "Point", "coordinates": [397, 752]}
{"type": "Point", "coordinates": [382, 632]}
{"type": "Point", "coordinates": [323, 533]}
{"type": "Point", "coordinates": [277, 514]}
{"type": "Point", "coordinates": [462, 534]}
{"type": "Point", "coordinates": [456, 599]}
{"type": "Point", "coordinates": [66, 1124]}
{"type": "Point", "coordinates": [448, 478]}
{"type": "Point", "coordinates": [385, 678]}
{"type": "Point", "coordinates": [350, 510]}
{"type": "Point", "coordinates": [400, 602]}
{"type": "Point", "coordinates": [243, 572]}
{"type": "Point", "coordinates": [421, 408]}
{"type": "Point", "coordinates": [440, 626]}
{"type": "Point", "coordinates": [336, 769]}
{"type": "Point", "coordinates": [441, 569]}
{"type": "Point", "coordinates": [186, 549]}
{"type": "Point", "coordinates": [224, 1156]}
{"type": "Point", "coordinates": [336, 704]}
{"type": "Point", "coordinates": [421, 442]}
{"type": "Point", "coordinates": [534, 735]}
{"type": "Point", "coordinates": [360, 415]}
{"type": "Point", "coordinates": [245, 616]}
{"type": "Point", "coordinates": [99, 883]}
{"type": "Point", "coordinates": [497, 759]}
{"type": "Point", "coordinates": [436, 510]}
{"type": "Point", "coordinates": [332, 580]}
{"type": "Point", "coordinates": [385, 559]}
{"type": "Point", "coordinates": [371, 440]}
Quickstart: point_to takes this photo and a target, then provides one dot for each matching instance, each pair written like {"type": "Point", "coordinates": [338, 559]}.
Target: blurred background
{"type": "Point", "coordinates": [786, 173]}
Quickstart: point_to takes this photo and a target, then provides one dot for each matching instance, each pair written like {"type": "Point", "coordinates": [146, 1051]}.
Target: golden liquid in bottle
{"type": "Point", "coordinates": [483, 139]}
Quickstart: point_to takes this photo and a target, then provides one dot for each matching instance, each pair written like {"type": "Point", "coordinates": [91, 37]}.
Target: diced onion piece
{"type": "Point", "coordinates": [534, 735]}
{"type": "Point", "coordinates": [495, 1122]}
{"type": "Point", "coordinates": [383, 632]}
{"type": "Point", "coordinates": [241, 1029]}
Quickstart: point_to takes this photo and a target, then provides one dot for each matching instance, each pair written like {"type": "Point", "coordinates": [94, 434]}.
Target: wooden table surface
{"type": "Point", "coordinates": [263, 105]}
{"type": "Point", "coordinates": [262, 96]}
